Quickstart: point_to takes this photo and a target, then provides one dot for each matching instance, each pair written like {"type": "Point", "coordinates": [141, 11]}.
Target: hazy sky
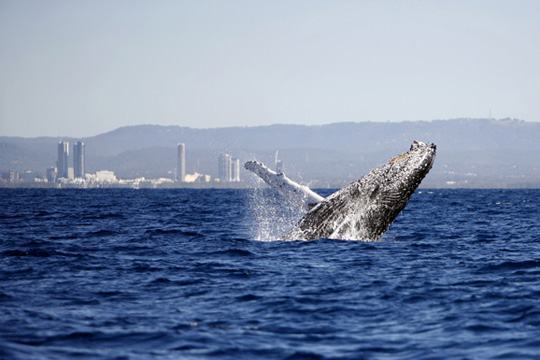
{"type": "Point", "coordinates": [80, 68]}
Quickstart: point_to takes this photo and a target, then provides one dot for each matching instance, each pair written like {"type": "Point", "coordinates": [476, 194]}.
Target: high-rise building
{"type": "Point", "coordinates": [78, 160]}
{"type": "Point", "coordinates": [235, 170]}
{"type": "Point", "coordinates": [63, 155]}
{"type": "Point", "coordinates": [224, 167]}
{"type": "Point", "coordinates": [181, 162]}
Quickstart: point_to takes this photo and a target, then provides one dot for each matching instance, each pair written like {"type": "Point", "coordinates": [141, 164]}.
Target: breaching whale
{"type": "Point", "coordinates": [364, 209]}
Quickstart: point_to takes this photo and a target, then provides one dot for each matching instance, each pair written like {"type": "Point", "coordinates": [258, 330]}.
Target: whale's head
{"type": "Point", "coordinates": [407, 170]}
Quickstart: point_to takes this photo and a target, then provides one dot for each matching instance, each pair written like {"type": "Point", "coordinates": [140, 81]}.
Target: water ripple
{"type": "Point", "coordinates": [123, 274]}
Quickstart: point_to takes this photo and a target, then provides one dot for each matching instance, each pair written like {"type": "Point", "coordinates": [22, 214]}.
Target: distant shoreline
{"type": "Point", "coordinates": [427, 186]}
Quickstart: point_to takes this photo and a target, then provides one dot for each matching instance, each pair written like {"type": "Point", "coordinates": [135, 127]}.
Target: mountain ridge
{"type": "Point", "coordinates": [498, 152]}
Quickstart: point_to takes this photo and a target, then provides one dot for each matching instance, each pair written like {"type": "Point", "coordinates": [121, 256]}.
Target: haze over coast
{"type": "Point", "coordinates": [471, 152]}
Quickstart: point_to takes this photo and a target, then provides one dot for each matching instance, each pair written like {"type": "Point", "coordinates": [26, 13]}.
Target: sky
{"type": "Point", "coordinates": [81, 68]}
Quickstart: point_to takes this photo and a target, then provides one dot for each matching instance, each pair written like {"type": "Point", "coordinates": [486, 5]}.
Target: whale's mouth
{"type": "Point", "coordinates": [430, 151]}
{"type": "Point", "coordinates": [419, 145]}
{"type": "Point", "coordinates": [426, 155]}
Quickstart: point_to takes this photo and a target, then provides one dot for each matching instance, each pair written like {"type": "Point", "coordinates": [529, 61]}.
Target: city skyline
{"type": "Point", "coordinates": [64, 175]}
{"type": "Point", "coordinates": [237, 63]}
{"type": "Point", "coordinates": [473, 151]}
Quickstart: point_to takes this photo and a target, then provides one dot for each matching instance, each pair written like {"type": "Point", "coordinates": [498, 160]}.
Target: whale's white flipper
{"type": "Point", "coordinates": [294, 193]}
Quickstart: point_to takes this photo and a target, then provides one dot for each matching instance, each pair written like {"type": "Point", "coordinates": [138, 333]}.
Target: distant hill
{"type": "Point", "coordinates": [471, 152]}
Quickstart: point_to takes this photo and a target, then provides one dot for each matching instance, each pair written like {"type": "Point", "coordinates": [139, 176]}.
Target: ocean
{"type": "Point", "coordinates": [201, 274]}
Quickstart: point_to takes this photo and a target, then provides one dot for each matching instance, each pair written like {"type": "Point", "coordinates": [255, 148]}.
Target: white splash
{"type": "Point", "coordinates": [271, 219]}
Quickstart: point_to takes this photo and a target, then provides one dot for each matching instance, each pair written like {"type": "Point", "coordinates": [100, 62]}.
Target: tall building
{"type": "Point", "coordinates": [225, 167]}
{"type": "Point", "coordinates": [235, 170]}
{"type": "Point", "coordinates": [63, 155]}
{"type": "Point", "coordinates": [181, 162]}
{"type": "Point", "coordinates": [78, 160]}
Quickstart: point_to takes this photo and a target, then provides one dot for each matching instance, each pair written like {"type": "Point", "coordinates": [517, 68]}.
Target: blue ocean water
{"type": "Point", "coordinates": [198, 274]}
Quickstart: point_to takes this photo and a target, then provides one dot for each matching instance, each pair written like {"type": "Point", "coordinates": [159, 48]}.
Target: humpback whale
{"type": "Point", "coordinates": [364, 209]}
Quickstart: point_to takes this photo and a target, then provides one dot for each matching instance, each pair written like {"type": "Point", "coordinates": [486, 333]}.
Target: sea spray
{"type": "Point", "coordinates": [269, 216]}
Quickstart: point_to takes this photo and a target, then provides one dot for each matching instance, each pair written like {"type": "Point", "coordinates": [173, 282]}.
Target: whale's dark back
{"type": "Point", "coordinates": [365, 209]}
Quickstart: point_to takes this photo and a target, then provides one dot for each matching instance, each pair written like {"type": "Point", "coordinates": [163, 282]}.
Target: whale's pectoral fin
{"type": "Point", "coordinates": [292, 192]}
